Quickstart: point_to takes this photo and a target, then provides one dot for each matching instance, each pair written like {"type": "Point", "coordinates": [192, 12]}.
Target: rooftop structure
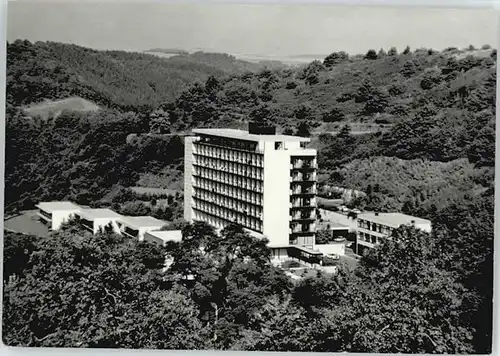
{"type": "Point", "coordinates": [392, 219]}
{"type": "Point", "coordinates": [262, 181]}
{"type": "Point", "coordinates": [162, 237]}
{"type": "Point", "coordinates": [137, 226]}
{"type": "Point", "coordinates": [247, 136]}
{"type": "Point", "coordinates": [102, 213]}
{"type": "Point", "coordinates": [57, 206]}
{"type": "Point", "coordinates": [374, 227]}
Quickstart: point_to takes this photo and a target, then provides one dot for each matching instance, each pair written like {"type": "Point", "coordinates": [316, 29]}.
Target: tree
{"type": "Point", "coordinates": [89, 286]}
{"type": "Point", "coordinates": [409, 68]}
{"type": "Point", "coordinates": [303, 130]}
{"type": "Point", "coordinates": [17, 250]}
{"type": "Point", "coordinates": [212, 85]}
{"type": "Point", "coordinates": [345, 132]}
{"type": "Point", "coordinates": [262, 114]}
{"type": "Point", "coordinates": [376, 102]}
{"type": "Point", "coordinates": [405, 301]}
{"type": "Point", "coordinates": [392, 51]}
{"type": "Point", "coordinates": [407, 50]}
{"type": "Point", "coordinates": [334, 115]}
{"type": "Point", "coordinates": [335, 58]}
{"type": "Point", "coordinates": [371, 54]}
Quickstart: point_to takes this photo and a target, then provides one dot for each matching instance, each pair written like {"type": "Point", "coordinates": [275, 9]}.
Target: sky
{"type": "Point", "coordinates": [261, 30]}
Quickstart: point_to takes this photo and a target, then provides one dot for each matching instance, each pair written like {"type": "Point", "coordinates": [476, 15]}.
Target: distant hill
{"type": "Point", "coordinates": [370, 92]}
{"type": "Point", "coordinates": [167, 51]}
{"type": "Point", "coordinates": [117, 79]}
{"type": "Point", "coordinates": [56, 107]}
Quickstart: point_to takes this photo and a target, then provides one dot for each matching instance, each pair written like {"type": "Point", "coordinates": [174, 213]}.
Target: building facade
{"type": "Point", "coordinates": [96, 220]}
{"type": "Point", "coordinates": [374, 227]}
{"type": "Point", "coordinates": [136, 226]}
{"type": "Point", "coordinates": [262, 181]}
{"type": "Point", "coordinates": [54, 214]}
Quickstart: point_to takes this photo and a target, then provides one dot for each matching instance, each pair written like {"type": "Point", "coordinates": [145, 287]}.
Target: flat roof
{"type": "Point", "coordinates": [167, 235]}
{"type": "Point", "coordinates": [336, 226]}
{"type": "Point", "coordinates": [392, 219]}
{"type": "Point", "coordinates": [57, 205]}
{"type": "Point", "coordinates": [91, 214]}
{"type": "Point", "coordinates": [245, 135]}
{"type": "Point", "coordinates": [141, 221]}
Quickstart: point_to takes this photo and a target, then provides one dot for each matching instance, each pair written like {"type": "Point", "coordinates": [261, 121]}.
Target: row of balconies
{"type": "Point", "coordinates": [239, 183]}
{"type": "Point", "coordinates": [240, 172]}
{"type": "Point", "coordinates": [254, 163]}
{"type": "Point", "coordinates": [230, 216]}
{"type": "Point", "coordinates": [219, 203]}
{"type": "Point", "coordinates": [233, 154]}
{"type": "Point", "coordinates": [225, 194]}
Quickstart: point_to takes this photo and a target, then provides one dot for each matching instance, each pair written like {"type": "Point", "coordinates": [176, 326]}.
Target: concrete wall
{"type": "Point", "coordinates": [276, 211]}
{"type": "Point", "coordinates": [332, 249]}
{"type": "Point", "coordinates": [143, 231]}
{"type": "Point", "coordinates": [424, 227]}
{"type": "Point", "coordinates": [61, 217]}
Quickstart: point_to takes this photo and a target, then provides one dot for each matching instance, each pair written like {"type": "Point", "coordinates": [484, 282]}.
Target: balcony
{"type": "Point", "coordinates": [302, 229]}
{"type": "Point", "coordinates": [303, 191]}
{"type": "Point", "coordinates": [303, 216]}
{"type": "Point", "coordinates": [303, 177]}
{"type": "Point", "coordinates": [303, 203]}
{"type": "Point", "coordinates": [299, 164]}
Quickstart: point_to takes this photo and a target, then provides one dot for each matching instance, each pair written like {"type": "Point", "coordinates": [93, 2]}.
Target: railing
{"type": "Point", "coordinates": [302, 216]}
{"type": "Point", "coordinates": [298, 191]}
{"type": "Point", "coordinates": [232, 208]}
{"type": "Point", "coordinates": [228, 147]}
{"type": "Point", "coordinates": [304, 178]}
{"type": "Point", "coordinates": [236, 172]}
{"type": "Point", "coordinates": [238, 185]}
{"type": "Point", "coordinates": [228, 195]}
{"type": "Point", "coordinates": [303, 204]}
{"type": "Point", "coordinates": [253, 163]}
{"type": "Point", "coordinates": [303, 165]}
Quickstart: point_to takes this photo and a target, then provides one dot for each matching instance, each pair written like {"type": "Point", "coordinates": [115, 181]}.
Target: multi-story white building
{"type": "Point", "coordinates": [373, 227]}
{"type": "Point", "coordinates": [262, 181]}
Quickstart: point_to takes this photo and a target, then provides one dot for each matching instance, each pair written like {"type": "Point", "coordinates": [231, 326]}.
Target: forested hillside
{"type": "Point", "coordinates": [408, 296]}
{"type": "Point", "coordinates": [115, 79]}
{"type": "Point", "coordinates": [377, 89]}
{"type": "Point", "coordinates": [429, 150]}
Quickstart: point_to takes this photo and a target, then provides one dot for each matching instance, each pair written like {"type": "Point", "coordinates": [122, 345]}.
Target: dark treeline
{"type": "Point", "coordinates": [80, 156]}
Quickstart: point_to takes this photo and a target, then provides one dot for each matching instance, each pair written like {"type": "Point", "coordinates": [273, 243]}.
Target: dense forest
{"type": "Point", "coordinates": [414, 130]}
{"type": "Point", "coordinates": [222, 292]}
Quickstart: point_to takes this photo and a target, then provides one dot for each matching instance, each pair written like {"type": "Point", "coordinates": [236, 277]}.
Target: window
{"type": "Point", "coordinates": [278, 145]}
